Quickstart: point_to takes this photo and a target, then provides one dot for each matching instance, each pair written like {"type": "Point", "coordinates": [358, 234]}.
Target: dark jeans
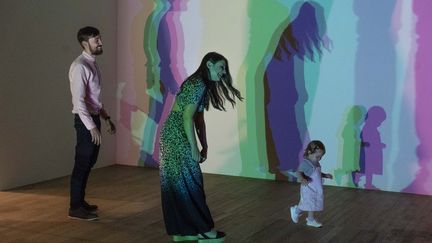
{"type": "Point", "coordinates": [86, 153]}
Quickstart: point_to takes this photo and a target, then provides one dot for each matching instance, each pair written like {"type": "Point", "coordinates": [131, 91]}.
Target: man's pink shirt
{"type": "Point", "coordinates": [84, 77]}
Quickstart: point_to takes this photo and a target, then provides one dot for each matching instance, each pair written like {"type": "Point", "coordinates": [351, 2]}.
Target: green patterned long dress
{"type": "Point", "coordinates": [183, 199]}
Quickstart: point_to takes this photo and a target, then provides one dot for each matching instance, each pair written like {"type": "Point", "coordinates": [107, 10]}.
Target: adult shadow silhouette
{"type": "Point", "coordinates": [285, 93]}
{"type": "Point", "coordinates": [164, 47]}
{"type": "Point", "coordinates": [376, 63]}
{"type": "Point", "coordinates": [421, 183]}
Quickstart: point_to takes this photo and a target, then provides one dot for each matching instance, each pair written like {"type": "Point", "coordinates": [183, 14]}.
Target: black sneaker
{"type": "Point", "coordinates": [89, 207]}
{"type": "Point", "coordinates": [82, 214]}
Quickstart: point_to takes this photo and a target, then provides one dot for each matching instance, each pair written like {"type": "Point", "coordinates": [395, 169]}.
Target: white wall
{"type": "Point", "coordinates": [37, 45]}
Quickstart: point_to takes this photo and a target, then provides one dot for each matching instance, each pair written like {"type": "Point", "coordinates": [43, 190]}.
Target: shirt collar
{"type": "Point", "coordinates": [89, 57]}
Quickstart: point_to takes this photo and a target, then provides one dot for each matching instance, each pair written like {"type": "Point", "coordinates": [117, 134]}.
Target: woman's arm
{"type": "Point", "coordinates": [188, 115]}
{"type": "Point", "coordinates": [200, 127]}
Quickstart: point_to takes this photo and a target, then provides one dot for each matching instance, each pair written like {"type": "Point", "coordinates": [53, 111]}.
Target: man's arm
{"type": "Point", "coordinates": [78, 81]}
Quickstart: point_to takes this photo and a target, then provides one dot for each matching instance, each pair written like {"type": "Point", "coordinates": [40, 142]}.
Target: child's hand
{"type": "Point", "coordinates": [304, 181]}
{"type": "Point", "coordinates": [329, 176]}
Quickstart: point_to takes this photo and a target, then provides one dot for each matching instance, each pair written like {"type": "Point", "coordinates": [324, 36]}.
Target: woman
{"type": "Point", "coordinates": [186, 214]}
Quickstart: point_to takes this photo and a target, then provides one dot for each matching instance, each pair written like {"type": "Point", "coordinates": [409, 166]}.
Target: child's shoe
{"type": "Point", "coordinates": [294, 214]}
{"type": "Point", "coordinates": [313, 223]}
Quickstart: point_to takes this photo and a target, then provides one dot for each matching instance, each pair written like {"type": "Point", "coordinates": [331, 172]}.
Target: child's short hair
{"type": "Point", "coordinates": [313, 146]}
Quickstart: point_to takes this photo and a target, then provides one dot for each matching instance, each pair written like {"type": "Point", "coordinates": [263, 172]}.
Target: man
{"type": "Point", "coordinates": [85, 85]}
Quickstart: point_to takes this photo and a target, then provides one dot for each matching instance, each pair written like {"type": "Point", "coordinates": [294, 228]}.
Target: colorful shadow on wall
{"type": "Point", "coordinates": [423, 89]}
{"type": "Point", "coordinates": [163, 46]}
{"type": "Point", "coordinates": [374, 121]}
{"type": "Point", "coordinates": [284, 86]}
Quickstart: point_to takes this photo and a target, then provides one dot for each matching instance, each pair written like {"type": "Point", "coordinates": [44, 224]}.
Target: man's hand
{"type": "Point", "coordinates": [96, 136]}
{"type": "Point", "coordinates": [112, 128]}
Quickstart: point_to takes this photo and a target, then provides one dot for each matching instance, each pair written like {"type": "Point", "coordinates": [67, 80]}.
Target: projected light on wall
{"type": "Point", "coordinates": [354, 74]}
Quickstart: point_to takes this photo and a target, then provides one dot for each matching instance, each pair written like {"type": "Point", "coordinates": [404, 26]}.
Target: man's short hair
{"type": "Point", "coordinates": [85, 33]}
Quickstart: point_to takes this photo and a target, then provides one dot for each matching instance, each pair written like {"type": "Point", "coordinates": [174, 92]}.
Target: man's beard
{"type": "Point", "coordinates": [96, 51]}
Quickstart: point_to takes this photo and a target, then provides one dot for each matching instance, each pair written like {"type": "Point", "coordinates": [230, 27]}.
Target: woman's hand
{"type": "Point", "coordinates": [329, 176]}
{"type": "Point", "coordinates": [203, 154]}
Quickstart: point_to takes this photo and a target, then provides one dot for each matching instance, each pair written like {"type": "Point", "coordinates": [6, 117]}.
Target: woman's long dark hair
{"type": "Point", "coordinates": [216, 92]}
{"type": "Point", "coordinates": [305, 36]}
